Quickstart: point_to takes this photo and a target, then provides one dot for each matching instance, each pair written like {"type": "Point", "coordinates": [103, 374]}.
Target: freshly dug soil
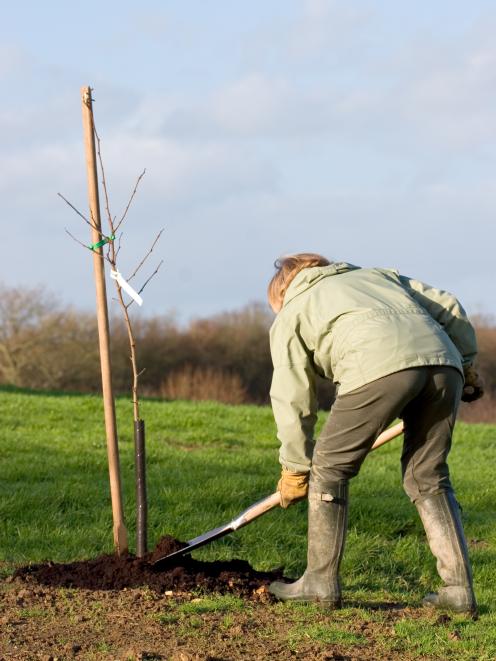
{"type": "Point", "coordinates": [122, 609]}
{"type": "Point", "coordinates": [110, 572]}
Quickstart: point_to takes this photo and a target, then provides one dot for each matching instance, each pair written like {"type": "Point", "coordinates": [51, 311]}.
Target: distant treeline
{"type": "Point", "coordinates": [226, 357]}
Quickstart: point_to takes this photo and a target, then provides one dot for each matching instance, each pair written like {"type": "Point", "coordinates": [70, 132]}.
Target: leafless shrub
{"type": "Point", "coordinates": [486, 361]}
{"type": "Point", "coordinates": [197, 383]}
{"type": "Point", "coordinates": [44, 345]}
{"type": "Point", "coordinates": [238, 342]}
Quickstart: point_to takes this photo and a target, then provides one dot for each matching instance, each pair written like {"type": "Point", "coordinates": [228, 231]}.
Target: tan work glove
{"type": "Point", "coordinates": [474, 385]}
{"type": "Point", "coordinates": [293, 487]}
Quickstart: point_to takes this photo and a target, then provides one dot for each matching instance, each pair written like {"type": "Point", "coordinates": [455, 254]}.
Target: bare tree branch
{"type": "Point", "coordinates": [146, 256]}
{"type": "Point", "coordinates": [95, 252]}
{"type": "Point", "coordinates": [77, 240]}
{"type": "Point", "coordinates": [130, 200]}
{"type": "Point", "coordinates": [152, 275]}
{"type": "Point", "coordinates": [91, 224]}
{"type": "Point", "coordinates": [104, 181]}
{"type": "Point", "coordinates": [146, 282]}
{"type": "Point", "coordinates": [111, 255]}
{"type": "Point", "coordinates": [119, 245]}
{"type": "Point", "coordinates": [133, 358]}
{"type": "Point", "coordinates": [112, 258]}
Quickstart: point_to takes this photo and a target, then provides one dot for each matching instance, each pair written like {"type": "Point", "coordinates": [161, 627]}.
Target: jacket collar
{"type": "Point", "coordinates": [308, 277]}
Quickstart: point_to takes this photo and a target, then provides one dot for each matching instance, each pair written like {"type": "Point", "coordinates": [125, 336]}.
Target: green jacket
{"type": "Point", "coordinates": [354, 326]}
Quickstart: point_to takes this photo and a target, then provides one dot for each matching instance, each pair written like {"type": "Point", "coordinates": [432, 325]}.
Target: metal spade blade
{"type": "Point", "coordinates": [248, 515]}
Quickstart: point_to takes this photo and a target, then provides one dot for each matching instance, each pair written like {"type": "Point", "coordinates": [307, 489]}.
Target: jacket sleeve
{"type": "Point", "coordinates": [449, 313]}
{"type": "Point", "coordinates": [294, 400]}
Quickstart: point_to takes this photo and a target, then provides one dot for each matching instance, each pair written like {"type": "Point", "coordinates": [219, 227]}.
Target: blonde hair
{"type": "Point", "coordinates": [286, 269]}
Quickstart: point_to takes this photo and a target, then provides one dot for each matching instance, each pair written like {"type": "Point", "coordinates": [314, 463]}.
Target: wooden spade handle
{"type": "Point", "coordinates": [257, 510]}
{"type": "Point", "coordinates": [274, 499]}
{"type": "Point", "coordinates": [388, 435]}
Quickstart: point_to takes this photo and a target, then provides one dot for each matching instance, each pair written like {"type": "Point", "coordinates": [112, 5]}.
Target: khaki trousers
{"type": "Point", "coordinates": [427, 400]}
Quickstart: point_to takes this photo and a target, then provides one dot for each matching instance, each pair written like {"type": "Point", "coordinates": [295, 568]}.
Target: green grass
{"type": "Point", "coordinates": [32, 613]}
{"type": "Point", "coordinates": [322, 633]}
{"type": "Point", "coordinates": [207, 462]}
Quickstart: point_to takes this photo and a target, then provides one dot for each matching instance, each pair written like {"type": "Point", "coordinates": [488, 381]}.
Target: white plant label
{"type": "Point", "coordinates": [115, 275]}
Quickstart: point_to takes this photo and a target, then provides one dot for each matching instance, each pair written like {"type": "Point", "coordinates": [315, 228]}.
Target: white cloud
{"type": "Point", "coordinates": [326, 25]}
{"type": "Point", "coordinates": [455, 103]}
{"type": "Point", "coordinates": [37, 171]}
{"type": "Point", "coordinates": [443, 100]}
{"type": "Point", "coordinates": [251, 105]}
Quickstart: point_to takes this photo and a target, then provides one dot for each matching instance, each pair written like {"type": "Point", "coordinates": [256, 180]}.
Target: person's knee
{"type": "Point", "coordinates": [411, 490]}
{"type": "Point", "coordinates": [418, 487]}
{"type": "Point", "coordinates": [332, 475]}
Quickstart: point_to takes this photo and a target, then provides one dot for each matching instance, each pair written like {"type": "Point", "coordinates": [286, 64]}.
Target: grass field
{"type": "Point", "coordinates": [206, 462]}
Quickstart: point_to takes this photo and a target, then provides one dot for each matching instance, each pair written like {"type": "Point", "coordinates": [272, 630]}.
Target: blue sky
{"type": "Point", "coordinates": [361, 130]}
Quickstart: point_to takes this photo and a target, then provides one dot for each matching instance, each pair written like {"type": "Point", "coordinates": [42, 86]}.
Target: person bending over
{"type": "Point", "coordinates": [395, 348]}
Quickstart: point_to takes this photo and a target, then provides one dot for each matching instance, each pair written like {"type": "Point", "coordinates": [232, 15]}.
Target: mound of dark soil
{"type": "Point", "coordinates": [110, 572]}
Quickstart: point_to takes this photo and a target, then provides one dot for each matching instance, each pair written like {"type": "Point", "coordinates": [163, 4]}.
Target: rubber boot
{"type": "Point", "coordinates": [440, 516]}
{"type": "Point", "coordinates": [327, 522]}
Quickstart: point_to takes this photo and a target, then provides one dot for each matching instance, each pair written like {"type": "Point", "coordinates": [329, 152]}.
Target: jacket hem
{"type": "Point", "coordinates": [345, 388]}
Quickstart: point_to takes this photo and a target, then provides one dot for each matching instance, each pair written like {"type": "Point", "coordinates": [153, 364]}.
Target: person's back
{"type": "Point", "coordinates": [361, 324]}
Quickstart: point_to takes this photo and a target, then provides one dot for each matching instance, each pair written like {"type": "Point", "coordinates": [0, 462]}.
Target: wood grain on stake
{"type": "Point", "coordinates": [120, 533]}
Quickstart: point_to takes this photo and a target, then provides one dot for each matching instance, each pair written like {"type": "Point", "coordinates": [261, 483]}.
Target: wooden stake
{"type": "Point", "coordinates": [120, 533]}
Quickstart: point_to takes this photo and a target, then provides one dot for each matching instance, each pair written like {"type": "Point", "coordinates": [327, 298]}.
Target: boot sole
{"type": "Point", "coordinates": [469, 612]}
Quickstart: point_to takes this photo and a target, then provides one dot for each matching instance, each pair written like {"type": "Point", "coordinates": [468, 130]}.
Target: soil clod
{"type": "Point", "coordinates": [166, 546]}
